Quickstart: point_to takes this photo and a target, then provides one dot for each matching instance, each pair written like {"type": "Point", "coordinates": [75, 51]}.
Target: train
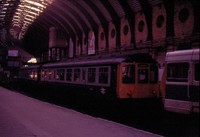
{"type": "Point", "coordinates": [116, 78]}
{"type": "Point", "coordinates": [132, 78]}
{"type": "Point", "coordinates": [182, 81]}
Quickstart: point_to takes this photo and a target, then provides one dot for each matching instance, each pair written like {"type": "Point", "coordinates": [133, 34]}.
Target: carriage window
{"type": "Point", "coordinates": [32, 74]}
{"type": "Point", "coordinates": [143, 75]}
{"type": "Point", "coordinates": [43, 74]}
{"type": "Point", "coordinates": [51, 74]}
{"type": "Point", "coordinates": [91, 75]}
{"type": "Point", "coordinates": [77, 74]}
{"type": "Point", "coordinates": [128, 73]}
{"type": "Point", "coordinates": [196, 71]}
{"type": "Point", "coordinates": [177, 72]}
{"type": "Point", "coordinates": [103, 75]}
{"type": "Point", "coordinates": [54, 74]}
{"type": "Point", "coordinates": [60, 74]}
{"type": "Point", "coordinates": [69, 75]}
{"type": "Point", "coordinates": [35, 74]}
{"type": "Point", "coordinates": [83, 75]}
{"type": "Point", "coordinates": [46, 74]}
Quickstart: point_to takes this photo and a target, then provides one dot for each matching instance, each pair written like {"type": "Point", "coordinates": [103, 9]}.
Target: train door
{"type": "Point", "coordinates": [182, 81]}
{"type": "Point", "coordinates": [126, 80]}
{"type": "Point", "coordinates": [177, 95]}
{"type": "Point", "coordinates": [147, 81]}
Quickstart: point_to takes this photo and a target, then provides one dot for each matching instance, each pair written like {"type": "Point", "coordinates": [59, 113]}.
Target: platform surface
{"type": "Point", "coordinates": [22, 116]}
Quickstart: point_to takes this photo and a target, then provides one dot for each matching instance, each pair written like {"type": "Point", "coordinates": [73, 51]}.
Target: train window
{"type": "Point", "coordinates": [196, 71]}
{"type": "Point", "coordinates": [177, 72]}
{"type": "Point", "coordinates": [60, 74]}
{"type": "Point", "coordinates": [50, 74]}
{"type": "Point", "coordinates": [91, 75]}
{"type": "Point", "coordinates": [83, 75]}
{"type": "Point", "coordinates": [34, 74]}
{"type": "Point", "coordinates": [43, 75]}
{"type": "Point", "coordinates": [69, 75]}
{"type": "Point", "coordinates": [142, 75]}
{"type": "Point", "coordinates": [46, 74]}
{"type": "Point", "coordinates": [128, 73]}
{"type": "Point", "coordinates": [77, 74]}
{"type": "Point", "coordinates": [103, 75]}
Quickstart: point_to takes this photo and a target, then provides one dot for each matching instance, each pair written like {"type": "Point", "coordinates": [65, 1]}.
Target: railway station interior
{"type": "Point", "coordinates": [39, 32]}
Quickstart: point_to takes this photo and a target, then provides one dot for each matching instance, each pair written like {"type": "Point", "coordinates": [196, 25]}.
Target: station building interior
{"type": "Point", "coordinates": [57, 30]}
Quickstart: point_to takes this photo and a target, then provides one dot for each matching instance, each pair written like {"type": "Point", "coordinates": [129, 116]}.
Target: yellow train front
{"type": "Point", "coordinates": [137, 80]}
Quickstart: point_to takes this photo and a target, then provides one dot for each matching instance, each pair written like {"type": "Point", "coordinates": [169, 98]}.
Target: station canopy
{"type": "Point", "coordinates": [71, 16]}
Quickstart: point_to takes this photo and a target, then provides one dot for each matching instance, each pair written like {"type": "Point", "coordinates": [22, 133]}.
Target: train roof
{"type": "Point", "coordinates": [183, 55]}
{"type": "Point", "coordinates": [103, 60]}
{"type": "Point", "coordinates": [33, 66]}
{"type": "Point", "coordinates": [86, 62]}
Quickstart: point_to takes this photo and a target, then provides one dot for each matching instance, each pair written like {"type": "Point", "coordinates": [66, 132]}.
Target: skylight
{"type": "Point", "coordinates": [26, 13]}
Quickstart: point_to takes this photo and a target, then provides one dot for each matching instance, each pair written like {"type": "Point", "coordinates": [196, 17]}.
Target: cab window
{"type": "Point", "coordinates": [128, 74]}
{"type": "Point", "coordinates": [142, 75]}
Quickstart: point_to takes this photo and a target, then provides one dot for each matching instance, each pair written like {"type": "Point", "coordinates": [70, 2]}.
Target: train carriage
{"type": "Point", "coordinates": [182, 81]}
{"type": "Point", "coordinates": [88, 75]}
{"type": "Point", "coordinates": [30, 73]}
{"type": "Point", "coordinates": [123, 81]}
{"type": "Point", "coordinates": [119, 77]}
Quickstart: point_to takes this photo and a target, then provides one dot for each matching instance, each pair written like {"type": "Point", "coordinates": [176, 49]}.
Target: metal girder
{"type": "Point", "coordinates": [94, 24]}
{"type": "Point", "coordinates": [111, 10]}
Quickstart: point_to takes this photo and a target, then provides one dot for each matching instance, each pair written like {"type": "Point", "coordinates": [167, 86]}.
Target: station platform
{"type": "Point", "coordinates": [23, 116]}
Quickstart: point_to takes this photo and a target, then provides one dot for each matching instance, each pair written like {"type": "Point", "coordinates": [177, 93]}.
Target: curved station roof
{"type": "Point", "coordinates": [72, 16]}
{"type": "Point", "coordinates": [34, 18]}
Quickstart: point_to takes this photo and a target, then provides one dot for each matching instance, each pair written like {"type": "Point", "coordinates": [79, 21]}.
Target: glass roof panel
{"type": "Point", "coordinates": [26, 12]}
